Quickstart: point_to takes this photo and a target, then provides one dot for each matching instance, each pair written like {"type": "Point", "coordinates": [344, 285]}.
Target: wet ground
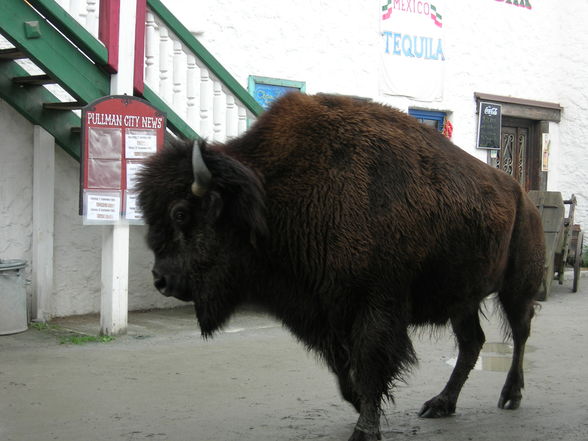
{"type": "Point", "coordinates": [163, 382]}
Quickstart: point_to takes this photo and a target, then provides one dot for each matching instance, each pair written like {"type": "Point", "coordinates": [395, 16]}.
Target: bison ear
{"type": "Point", "coordinates": [252, 213]}
{"type": "Point", "coordinates": [248, 208]}
{"type": "Point", "coordinates": [238, 197]}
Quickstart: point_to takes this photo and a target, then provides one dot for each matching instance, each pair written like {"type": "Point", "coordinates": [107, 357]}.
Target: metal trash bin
{"type": "Point", "coordinates": [13, 297]}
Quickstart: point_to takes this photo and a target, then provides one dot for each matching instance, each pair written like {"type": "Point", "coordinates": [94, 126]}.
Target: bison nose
{"type": "Point", "coordinates": [159, 282]}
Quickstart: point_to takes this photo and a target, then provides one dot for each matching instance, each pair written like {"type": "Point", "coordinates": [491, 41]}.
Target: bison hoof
{"type": "Point", "coordinates": [437, 407]}
{"type": "Point", "coordinates": [506, 402]}
{"type": "Point", "coordinates": [358, 435]}
{"type": "Point", "coordinates": [510, 396]}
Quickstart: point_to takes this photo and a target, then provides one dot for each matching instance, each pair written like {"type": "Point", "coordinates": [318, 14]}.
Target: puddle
{"type": "Point", "coordinates": [498, 348]}
{"type": "Point", "coordinates": [495, 357]}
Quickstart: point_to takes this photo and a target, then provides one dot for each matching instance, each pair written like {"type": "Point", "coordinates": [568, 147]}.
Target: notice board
{"type": "Point", "coordinates": [489, 125]}
{"type": "Point", "coordinates": [119, 133]}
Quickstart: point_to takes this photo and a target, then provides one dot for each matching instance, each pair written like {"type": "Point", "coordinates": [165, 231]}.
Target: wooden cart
{"type": "Point", "coordinates": [563, 239]}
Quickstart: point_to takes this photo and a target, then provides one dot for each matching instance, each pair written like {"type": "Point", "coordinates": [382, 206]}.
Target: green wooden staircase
{"type": "Point", "coordinates": [51, 65]}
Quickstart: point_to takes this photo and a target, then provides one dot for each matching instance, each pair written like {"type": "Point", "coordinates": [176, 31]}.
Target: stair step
{"type": "Point", "coordinates": [11, 54]}
{"type": "Point", "coordinates": [33, 80]}
{"type": "Point", "coordinates": [72, 105]}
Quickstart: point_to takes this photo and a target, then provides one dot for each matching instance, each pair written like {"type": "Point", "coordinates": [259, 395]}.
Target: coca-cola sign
{"type": "Point", "coordinates": [489, 124]}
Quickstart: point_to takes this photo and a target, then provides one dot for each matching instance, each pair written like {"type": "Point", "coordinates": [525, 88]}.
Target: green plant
{"type": "Point", "coordinates": [83, 339]}
{"type": "Point", "coordinates": [44, 326]}
{"type": "Point", "coordinates": [69, 336]}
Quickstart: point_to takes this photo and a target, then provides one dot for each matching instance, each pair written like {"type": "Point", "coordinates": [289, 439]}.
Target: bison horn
{"type": "Point", "coordinates": [202, 175]}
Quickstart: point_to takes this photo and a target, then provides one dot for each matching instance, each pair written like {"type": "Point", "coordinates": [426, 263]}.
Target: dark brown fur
{"type": "Point", "coordinates": [350, 221]}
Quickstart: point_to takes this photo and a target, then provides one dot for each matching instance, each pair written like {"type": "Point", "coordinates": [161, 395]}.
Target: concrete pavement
{"type": "Point", "coordinates": [253, 381]}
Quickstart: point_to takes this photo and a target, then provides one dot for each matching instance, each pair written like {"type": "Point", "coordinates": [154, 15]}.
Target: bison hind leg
{"type": "Point", "coordinates": [470, 339]}
{"type": "Point", "coordinates": [518, 311]}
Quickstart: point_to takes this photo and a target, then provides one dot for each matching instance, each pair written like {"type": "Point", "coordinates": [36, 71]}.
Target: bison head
{"type": "Point", "coordinates": [205, 213]}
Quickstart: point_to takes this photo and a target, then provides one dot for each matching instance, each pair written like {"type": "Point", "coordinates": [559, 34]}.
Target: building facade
{"type": "Point", "coordinates": [435, 60]}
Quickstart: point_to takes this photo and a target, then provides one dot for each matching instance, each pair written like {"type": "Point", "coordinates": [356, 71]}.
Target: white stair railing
{"type": "Point", "coordinates": [181, 79]}
{"type": "Point", "coordinates": [188, 87]}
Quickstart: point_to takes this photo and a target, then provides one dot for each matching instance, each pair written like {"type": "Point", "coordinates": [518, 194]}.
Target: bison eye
{"type": "Point", "coordinates": [180, 215]}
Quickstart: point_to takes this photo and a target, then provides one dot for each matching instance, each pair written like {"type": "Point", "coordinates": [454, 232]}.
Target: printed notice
{"type": "Point", "coordinates": [132, 213]}
{"type": "Point", "coordinates": [102, 207]}
{"type": "Point", "coordinates": [133, 169]}
{"type": "Point", "coordinates": [140, 143]}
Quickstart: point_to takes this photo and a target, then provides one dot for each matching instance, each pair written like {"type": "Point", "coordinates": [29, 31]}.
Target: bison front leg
{"type": "Point", "coordinates": [368, 424]}
{"type": "Point", "coordinates": [340, 363]}
{"type": "Point", "coordinates": [470, 339]}
{"type": "Point", "coordinates": [381, 349]}
{"type": "Point", "coordinates": [347, 390]}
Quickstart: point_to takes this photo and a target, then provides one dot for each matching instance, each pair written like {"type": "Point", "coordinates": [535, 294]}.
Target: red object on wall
{"type": "Point", "coordinates": [108, 31]}
{"type": "Point", "coordinates": [138, 82]}
{"type": "Point", "coordinates": [448, 129]}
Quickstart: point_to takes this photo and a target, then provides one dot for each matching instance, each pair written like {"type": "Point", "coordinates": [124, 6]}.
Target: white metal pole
{"type": "Point", "coordinates": [115, 239]}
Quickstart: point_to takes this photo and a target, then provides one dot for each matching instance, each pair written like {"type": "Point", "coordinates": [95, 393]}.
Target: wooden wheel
{"type": "Point", "coordinates": [578, 261]}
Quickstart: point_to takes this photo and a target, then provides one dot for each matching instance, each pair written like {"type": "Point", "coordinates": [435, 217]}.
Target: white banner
{"type": "Point", "coordinates": [412, 57]}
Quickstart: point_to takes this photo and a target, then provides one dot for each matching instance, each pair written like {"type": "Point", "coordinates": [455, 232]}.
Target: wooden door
{"type": "Point", "coordinates": [512, 156]}
{"type": "Point", "coordinates": [518, 153]}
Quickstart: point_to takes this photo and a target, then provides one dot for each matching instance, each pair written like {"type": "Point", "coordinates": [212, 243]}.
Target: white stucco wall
{"type": "Point", "coordinates": [490, 47]}
{"type": "Point", "coordinates": [569, 171]}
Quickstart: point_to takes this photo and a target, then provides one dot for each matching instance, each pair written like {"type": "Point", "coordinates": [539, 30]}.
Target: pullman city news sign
{"type": "Point", "coordinates": [119, 133]}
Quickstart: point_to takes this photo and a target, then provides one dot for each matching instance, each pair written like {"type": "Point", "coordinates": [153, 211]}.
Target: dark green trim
{"type": "Point", "coordinates": [53, 53]}
{"type": "Point", "coordinates": [206, 57]}
{"type": "Point", "coordinates": [72, 29]}
{"type": "Point", "coordinates": [174, 121]}
{"type": "Point", "coordinates": [28, 101]}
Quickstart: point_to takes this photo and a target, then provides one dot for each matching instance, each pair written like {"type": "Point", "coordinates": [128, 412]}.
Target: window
{"type": "Point", "coordinates": [267, 90]}
{"type": "Point", "coordinates": [429, 118]}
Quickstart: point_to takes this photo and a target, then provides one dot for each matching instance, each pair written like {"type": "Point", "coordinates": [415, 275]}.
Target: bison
{"type": "Point", "coordinates": [351, 222]}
